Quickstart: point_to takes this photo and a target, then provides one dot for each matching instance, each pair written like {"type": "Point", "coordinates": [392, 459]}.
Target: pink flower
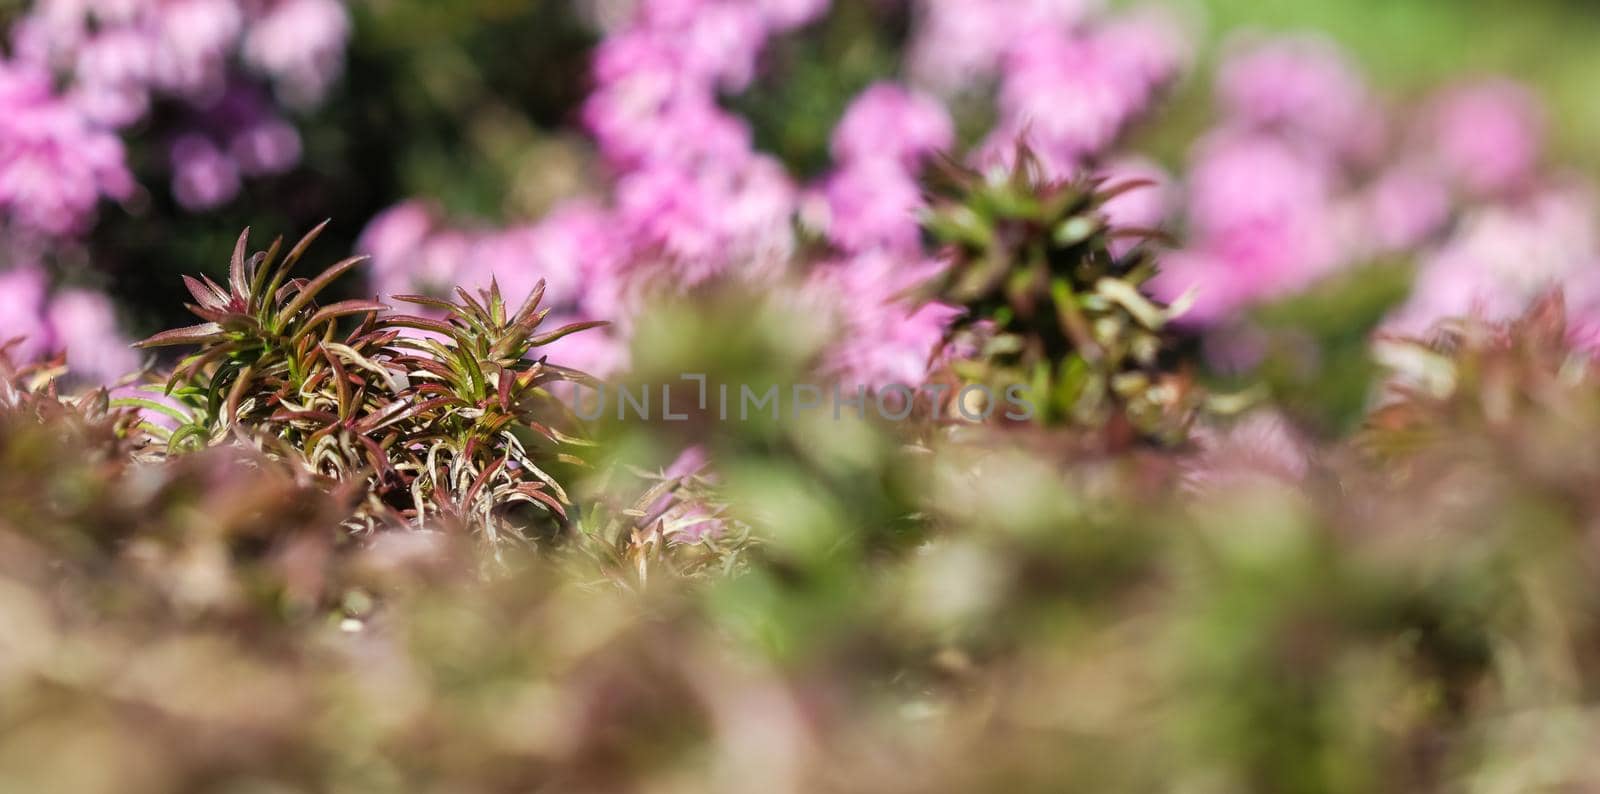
{"type": "Point", "coordinates": [392, 240]}
{"type": "Point", "coordinates": [300, 44]}
{"type": "Point", "coordinates": [886, 120]}
{"type": "Point", "coordinates": [1302, 85]}
{"type": "Point", "coordinates": [1405, 206]}
{"type": "Point", "coordinates": [669, 211]}
{"type": "Point", "coordinates": [960, 43]}
{"type": "Point", "coordinates": [270, 146]}
{"type": "Point", "coordinates": [1502, 257]}
{"type": "Point", "coordinates": [113, 72]}
{"type": "Point", "coordinates": [870, 204]}
{"type": "Point", "coordinates": [1148, 45]}
{"type": "Point", "coordinates": [1485, 136]}
{"type": "Point", "coordinates": [1263, 224]}
{"type": "Point", "coordinates": [782, 15]}
{"type": "Point", "coordinates": [645, 119]}
{"type": "Point", "coordinates": [701, 223]}
{"type": "Point", "coordinates": [1143, 207]}
{"type": "Point", "coordinates": [22, 294]}
{"type": "Point", "coordinates": [202, 176]}
{"type": "Point", "coordinates": [192, 41]}
{"type": "Point", "coordinates": [54, 164]}
{"type": "Point", "coordinates": [1246, 181]}
{"type": "Point", "coordinates": [884, 337]}
{"type": "Point", "coordinates": [1068, 96]}
{"type": "Point", "coordinates": [85, 327]}
{"type": "Point", "coordinates": [722, 42]}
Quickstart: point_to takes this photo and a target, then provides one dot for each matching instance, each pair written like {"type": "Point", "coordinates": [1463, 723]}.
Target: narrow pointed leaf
{"type": "Point", "coordinates": [189, 335]}
{"type": "Point", "coordinates": [316, 285]}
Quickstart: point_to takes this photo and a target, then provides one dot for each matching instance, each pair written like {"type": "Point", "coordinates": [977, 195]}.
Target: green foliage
{"type": "Point", "coordinates": [1051, 307]}
{"type": "Point", "coordinates": [1315, 347]}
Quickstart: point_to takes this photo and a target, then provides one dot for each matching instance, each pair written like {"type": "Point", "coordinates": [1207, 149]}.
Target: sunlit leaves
{"type": "Point", "coordinates": [444, 415]}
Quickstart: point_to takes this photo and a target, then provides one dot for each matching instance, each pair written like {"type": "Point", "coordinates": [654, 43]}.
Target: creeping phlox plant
{"type": "Point", "coordinates": [1054, 300]}
{"type": "Point", "coordinates": [446, 420]}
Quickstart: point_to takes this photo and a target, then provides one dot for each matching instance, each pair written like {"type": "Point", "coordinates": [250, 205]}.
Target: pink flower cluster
{"type": "Point", "coordinates": [691, 193]}
{"type": "Point", "coordinates": [690, 199]}
{"type": "Point", "coordinates": [81, 70]}
{"type": "Point", "coordinates": [1069, 80]}
{"type": "Point", "coordinates": [79, 322]}
{"type": "Point", "coordinates": [867, 209]}
{"type": "Point", "coordinates": [116, 56]}
{"type": "Point", "coordinates": [1070, 94]}
{"type": "Point", "coordinates": [54, 164]}
{"type": "Point", "coordinates": [1306, 172]}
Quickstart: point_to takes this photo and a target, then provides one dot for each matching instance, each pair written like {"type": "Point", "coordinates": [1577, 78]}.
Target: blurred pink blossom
{"type": "Point", "coordinates": [1143, 207]}
{"type": "Point", "coordinates": [84, 326]}
{"type": "Point", "coordinates": [783, 15]}
{"type": "Point", "coordinates": [300, 44]}
{"type": "Point", "coordinates": [887, 120]}
{"type": "Point", "coordinates": [111, 57]}
{"type": "Point", "coordinates": [55, 164]}
{"type": "Point", "coordinates": [1148, 45]}
{"type": "Point", "coordinates": [1262, 224]}
{"type": "Point", "coordinates": [1485, 136]}
{"type": "Point", "coordinates": [22, 300]}
{"type": "Point", "coordinates": [271, 146]}
{"type": "Point", "coordinates": [1504, 256]}
{"type": "Point", "coordinates": [869, 204]}
{"type": "Point", "coordinates": [192, 41]}
{"type": "Point", "coordinates": [1405, 206]}
{"type": "Point", "coordinates": [113, 71]}
{"type": "Point", "coordinates": [1302, 85]}
{"type": "Point", "coordinates": [884, 337]}
{"type": "Point", "coordinates": [203, 176]}
{"type": "Point", "coordinates": [391, 240]}
{"type": "Point", "coordinates": [960, 43]}
{"type": "Point", "coordinates": [1063, 97]}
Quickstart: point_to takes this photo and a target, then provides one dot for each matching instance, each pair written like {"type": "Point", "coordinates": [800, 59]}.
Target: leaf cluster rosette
{"type": "Point", "coordinates": [1053, 306]}
{"type": "Point", "coordinates": [446, 416]}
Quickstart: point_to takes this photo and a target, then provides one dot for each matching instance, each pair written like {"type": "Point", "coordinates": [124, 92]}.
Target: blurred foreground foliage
{"type": "Point", "coordinates": [911, 607]}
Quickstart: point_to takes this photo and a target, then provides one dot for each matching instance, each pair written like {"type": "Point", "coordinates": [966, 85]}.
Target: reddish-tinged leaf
{"type": "Point", "coordinates": [236, 279]}
{"type": "Point", "coordinates": [341, 381]}
{"type": "Point", "coordinates": [483, 477]}
{"type": "Point", "coordinates": [545, 339]}
{"type": "Point", "coordinates": [424, 300]}
{"type": "Point", "coordinates": [377, 457]}
{"type": "Point", "coordinates": [536, 491]}
{"type": "Point", "coordinates": [262, 265]}
{"type": "Point", "coordinates": [305, 242]}
{"type": "Point", "coordinates": [189, 335]}
{"type": "Point", "coordinates": [316, 285]}
{"type": "Point", "coordinates": [236, 394]}
{"type": "Point", "coordinates": [531, 303]}
{"type": "Point", "coordinates": [340, 309]}
{"type": "Point", "coordinates": [419, 323]}
{"type": "Point", "coordinates": [205, 293]}
{"type": "Point", "coordinates": [472, 303]}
